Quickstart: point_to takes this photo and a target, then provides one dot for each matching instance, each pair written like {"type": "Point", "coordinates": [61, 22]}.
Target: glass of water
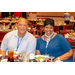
{"type": "Point", "coordinates": [25, 57]}
{"type": "Point", "coordinates": [52, 57]}
{"type": "Point", "coordinates": [20, 57]}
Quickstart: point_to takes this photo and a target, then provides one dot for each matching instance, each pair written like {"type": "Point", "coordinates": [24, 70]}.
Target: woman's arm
{"type": "Point", "coordinates": [65, 56]}
{"type": "Point", "coordinates": [38, 52]}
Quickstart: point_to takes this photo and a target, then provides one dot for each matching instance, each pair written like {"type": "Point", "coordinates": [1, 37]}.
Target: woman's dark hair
{"type": "Point", "coordinates": [49, 21]}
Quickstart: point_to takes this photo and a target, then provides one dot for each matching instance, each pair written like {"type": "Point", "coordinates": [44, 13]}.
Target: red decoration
{"type": "Point", "coordinates": [16, 14]}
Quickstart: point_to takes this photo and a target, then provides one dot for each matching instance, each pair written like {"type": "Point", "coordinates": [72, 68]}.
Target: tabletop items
{"type": "Point", "coordinates": [70, 35]}
{"type": "Point", "coordinates": [14, 56]}
{"type": "Point", "coordinates": [25, 57]}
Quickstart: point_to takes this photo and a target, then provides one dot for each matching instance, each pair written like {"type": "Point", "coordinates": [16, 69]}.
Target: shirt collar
{"type": "Point", "coordinates": [25, 36]}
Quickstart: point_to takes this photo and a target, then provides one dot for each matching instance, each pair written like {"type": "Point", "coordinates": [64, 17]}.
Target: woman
{"type": "Point", "coordinates": [53, 44]}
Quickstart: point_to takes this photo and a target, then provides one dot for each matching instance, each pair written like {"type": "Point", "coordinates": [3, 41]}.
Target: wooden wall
{"type": "Point", "coordinates": [50, 14]}
{"type": "Point", "coordinates": [42, 14]}
{"type": "Point", "coordinates": [57, 16]}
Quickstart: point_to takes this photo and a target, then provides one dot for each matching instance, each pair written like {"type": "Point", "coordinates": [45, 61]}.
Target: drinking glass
{"type": "Point", "coordinates": [20, 57]}
{"type": "Point", "coordinates": [11, 55]}
{"type": "Point", "coordinates": [26, 57]}
{"type": "Point", "coordinates": [51, 57]}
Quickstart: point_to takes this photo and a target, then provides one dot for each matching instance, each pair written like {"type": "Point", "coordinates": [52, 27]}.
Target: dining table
{"type": "Point", "coordinates": [5, 59]}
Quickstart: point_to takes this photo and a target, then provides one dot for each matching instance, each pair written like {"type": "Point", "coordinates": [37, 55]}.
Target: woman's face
{"type": "Point", "coordinates": [48, 29]}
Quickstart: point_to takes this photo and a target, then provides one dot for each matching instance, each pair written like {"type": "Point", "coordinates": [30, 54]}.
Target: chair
{"type": "Point", "coordinates": [69, 26]}
{"type": "Point", "coordinates": [30, 29]}
{"type": "Point", "coordinates": [6, 23]}
{"type": "Point", "coordinates": [73, 55]}
{"type": "Point", "coordinates": [2, 34]}
{"type": "Point", "coordinates": [38, 26]}
{"type": "Point", "coordinates": [41, 30]}
{"type": "Point", "coordinates": [56, 29]}
{"type": "Point", "coordinates": [73, 44]}
{"type": "Point", "coordinates": [0, 41]}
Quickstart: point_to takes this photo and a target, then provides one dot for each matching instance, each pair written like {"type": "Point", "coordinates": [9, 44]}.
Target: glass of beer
{"type": "Point", "coordinates": [11, 56]}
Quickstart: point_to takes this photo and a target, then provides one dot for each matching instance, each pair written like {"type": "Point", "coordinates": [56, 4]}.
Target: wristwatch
{"type": "Point", "coordinates": [58, 58]}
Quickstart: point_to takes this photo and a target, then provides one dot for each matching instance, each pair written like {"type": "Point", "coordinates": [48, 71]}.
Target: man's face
{"type": "Point", "coordinates": [22, 26]}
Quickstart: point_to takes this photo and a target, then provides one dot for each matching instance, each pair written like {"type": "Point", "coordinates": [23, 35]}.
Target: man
{"type": "Point", "coordinates": [66, 17]}
{"type": "Point", "coordinates": [19, 40]}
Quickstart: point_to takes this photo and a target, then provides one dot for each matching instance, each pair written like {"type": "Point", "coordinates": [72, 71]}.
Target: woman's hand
{"type": "Point", "coordinates": [55, 60]}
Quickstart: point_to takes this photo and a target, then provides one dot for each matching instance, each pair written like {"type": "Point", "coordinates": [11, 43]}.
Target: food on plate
{"type": "Point", "coordinates": [67, 35]}
{"type": "Point", "coordinates": [72, 37]}
{"type": "Point", "coordinates": [73, 34]}
{"type": "Point", "coordinates": [40, 57]}
{"type": "Point", "coordinates": [16, 54]}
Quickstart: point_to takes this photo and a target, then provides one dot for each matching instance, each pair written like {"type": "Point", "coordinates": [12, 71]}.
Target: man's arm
{"type": "Point", "coordinates": [2, 52]}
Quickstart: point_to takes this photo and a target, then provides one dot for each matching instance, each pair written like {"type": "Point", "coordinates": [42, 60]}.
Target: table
{"type": "Point", "coordinates": [70, 40]}
{"type": "Point", "coordinates": [63, 32]}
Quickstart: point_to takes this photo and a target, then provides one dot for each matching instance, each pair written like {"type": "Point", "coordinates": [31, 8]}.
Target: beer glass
{"type": "Point", "coordinates": [10, 55]}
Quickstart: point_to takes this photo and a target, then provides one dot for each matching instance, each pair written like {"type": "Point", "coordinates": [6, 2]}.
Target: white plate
{"type": "Point", "coordinates": [72, 38]}
{"type": "Point", "coordinates": [4, 60]}
{"type": "Point", "coordinates": [45, 56]}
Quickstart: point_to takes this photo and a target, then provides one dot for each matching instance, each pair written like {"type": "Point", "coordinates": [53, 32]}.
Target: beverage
{"type": "Point", "coordinates": [26, 58]}
{"type": "Point", "coordinates": [11, 56]}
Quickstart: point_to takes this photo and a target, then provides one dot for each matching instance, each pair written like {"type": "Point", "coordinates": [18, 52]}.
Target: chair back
{"type": "Point", "coordinates": [69, 26]}
{"type": "Point", "coordinates": [2, 34]}
{"type": "Point", "coordinates": [41, 30]}
{"type": "Point", "coordinates": [56, 29]}
{"type": "Point", "coordinates": [73, 55]}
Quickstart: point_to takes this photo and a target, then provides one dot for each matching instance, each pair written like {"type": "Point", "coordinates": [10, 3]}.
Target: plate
{"type": "Point", "coordinates": [72, 38]}
{"type": "Point", "coordinates": [73, 41]}
{"type": "Point", "coordinates": [4, 60]}
{"type": "Point", "coordinates": [40, 56]}
{"type": "Point", "coordinates": [67, 38]}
